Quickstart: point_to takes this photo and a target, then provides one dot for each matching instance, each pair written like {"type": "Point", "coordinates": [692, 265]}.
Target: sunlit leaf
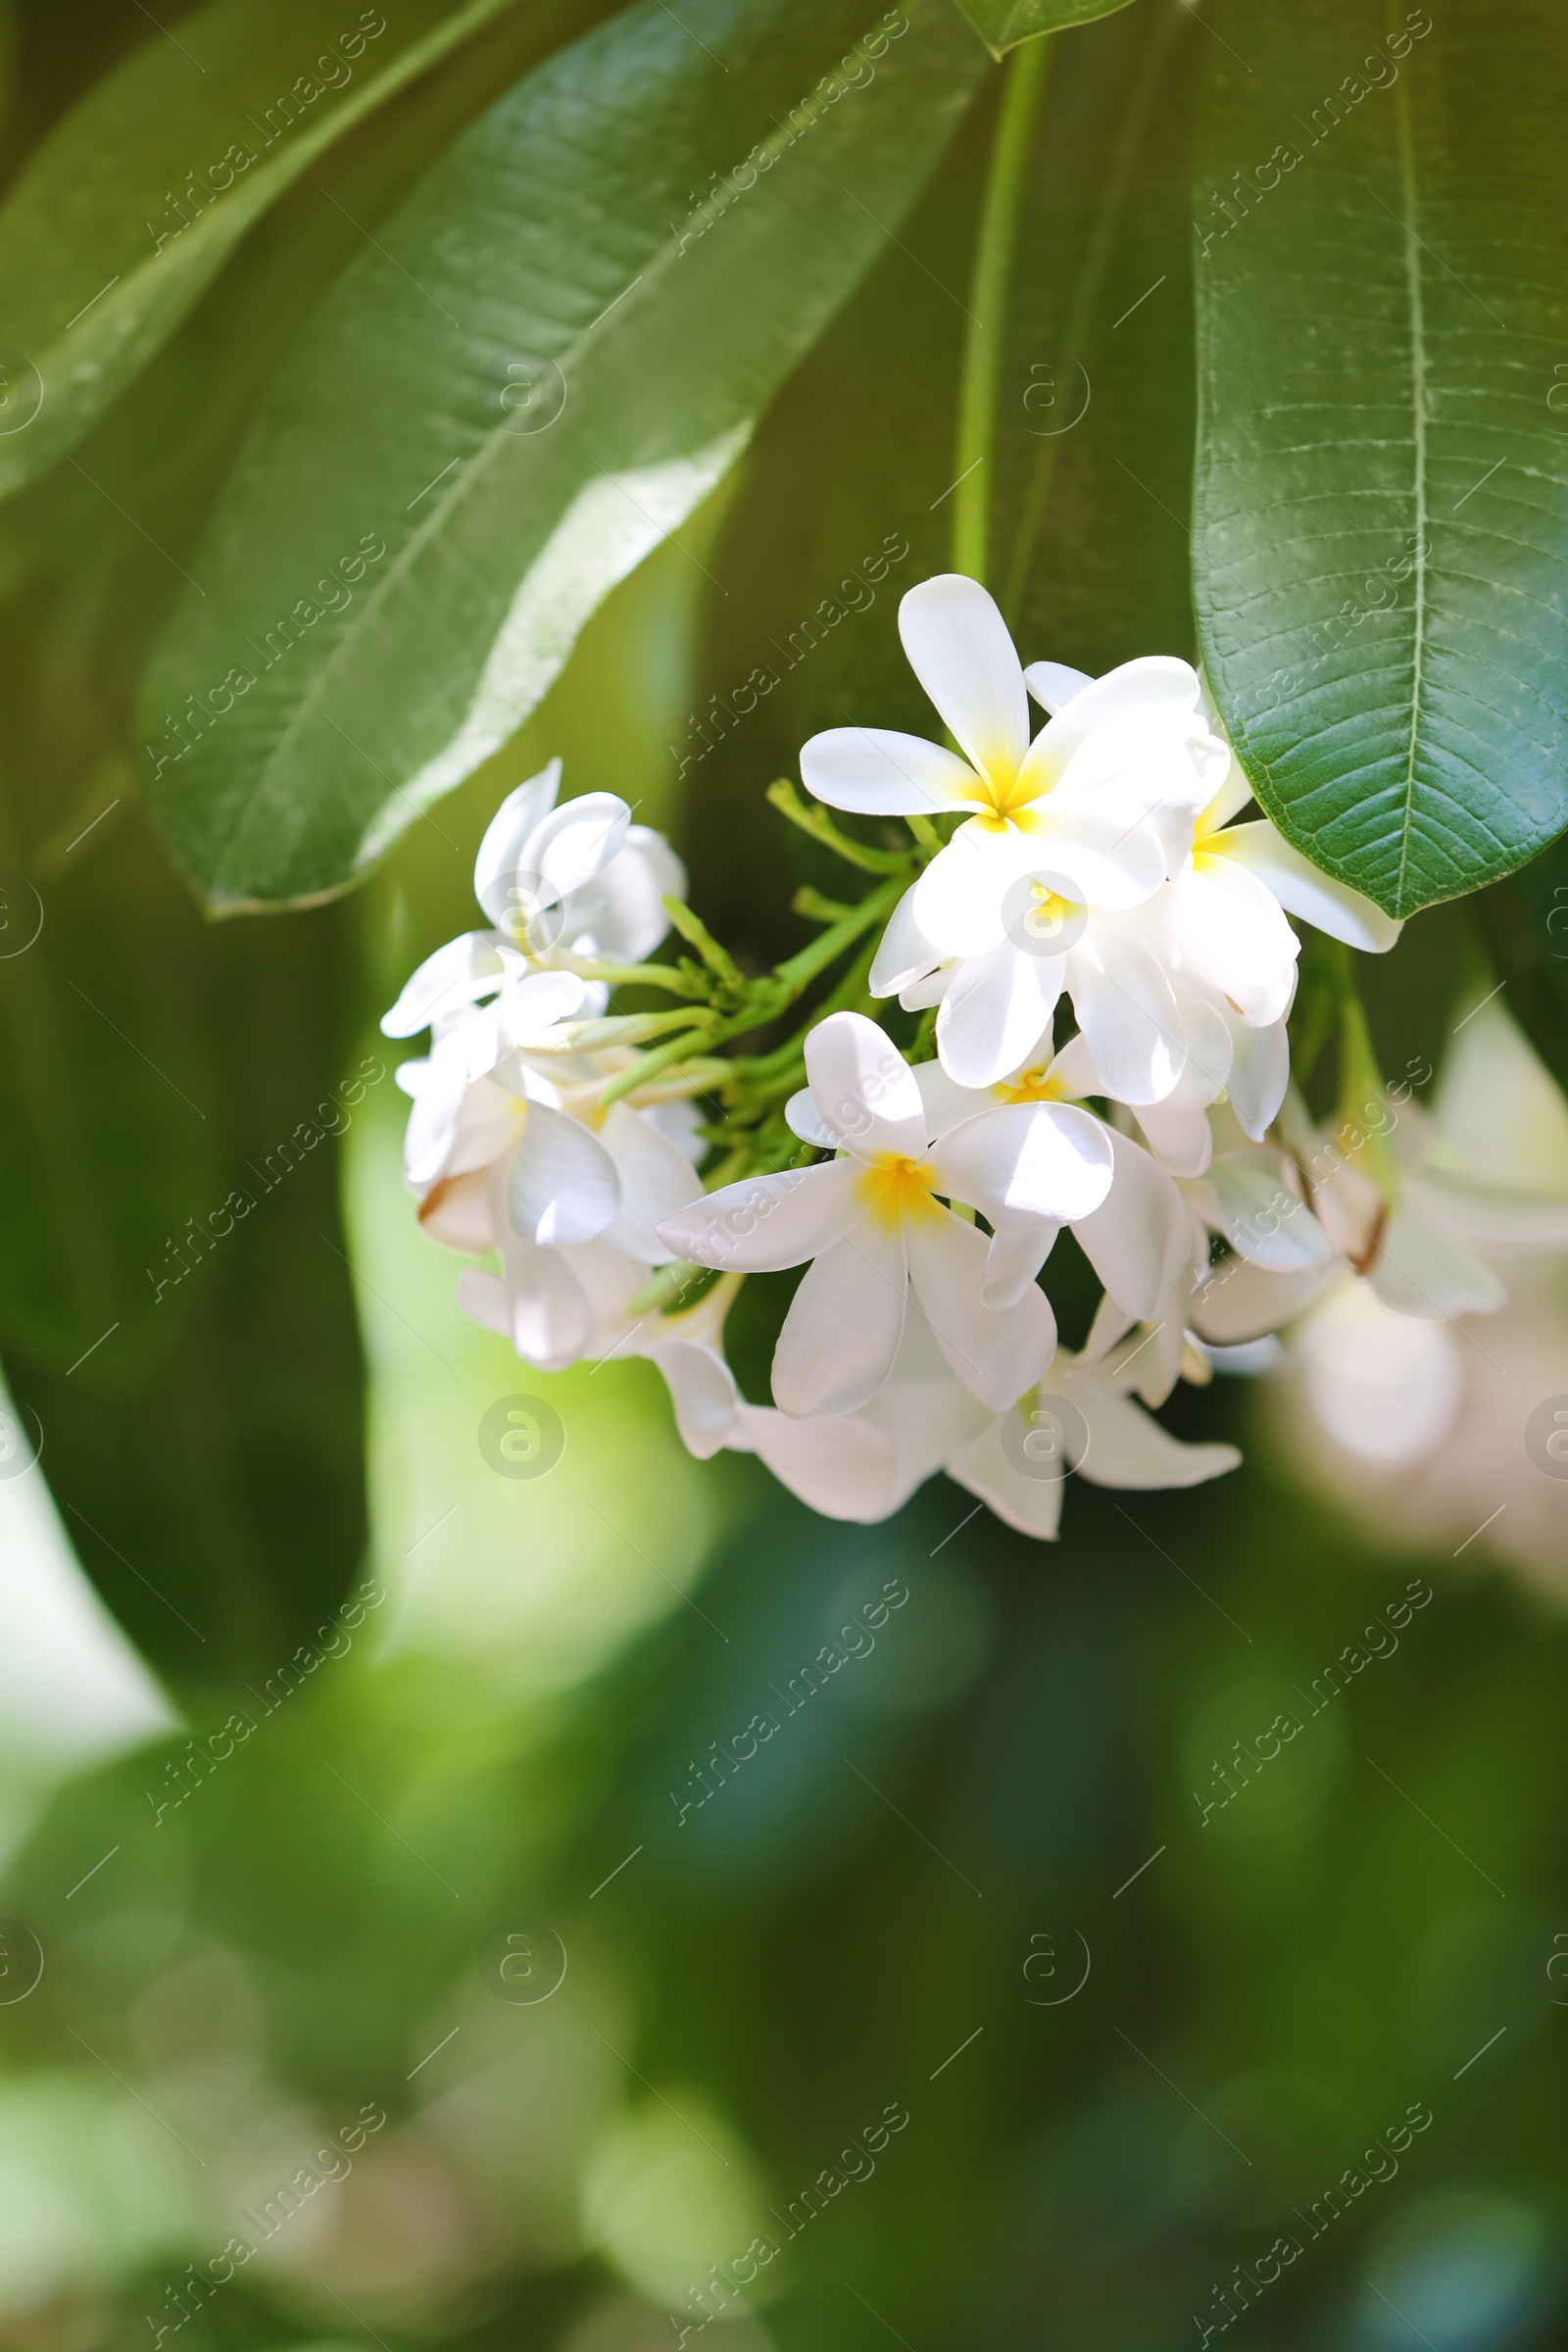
{"type": "Point", "coordinates": [559, 349]}
{"type": "Point", "coordinates": [1381, 500]}
{"type": "Point", "coordinates": [1003, 23]}
{"type": "Point", "coordinates": [135, 200]}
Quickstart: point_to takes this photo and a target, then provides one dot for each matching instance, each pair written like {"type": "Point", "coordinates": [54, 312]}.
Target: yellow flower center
{"type": "Point", "coordinates": [1033, 1086]}
{"type": "Point", "coordinates": [895, 1187]}
{"type": "Point", "coordinates": [1008, 804]}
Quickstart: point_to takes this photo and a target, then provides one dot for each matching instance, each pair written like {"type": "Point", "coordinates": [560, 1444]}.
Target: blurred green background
{"type": "Point", "coordinates": [891, 1910]}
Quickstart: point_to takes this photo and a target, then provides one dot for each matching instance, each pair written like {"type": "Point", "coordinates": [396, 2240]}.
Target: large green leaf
{"type": "Point", "coordinates": [1380, 500]}
{"type": "Point", "coordinates": [467, 553]}
{"type": "Point", "coordinates": [134, 201]}
{"type": "Point", "coordinates": [1003, 23]}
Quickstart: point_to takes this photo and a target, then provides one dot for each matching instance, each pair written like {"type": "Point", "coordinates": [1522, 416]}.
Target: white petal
{"type": "Point", "coordinates": [874, 771]}
{"type": "Point", "coordinates": [563, 1185]}
{"type": "Point", "coordinates": [1046, 1160]}
{"type": "Point", "coordinates": [575, 842]}
{"type": "Point", "coordinates": [1229, 931]}
{"type": "Point", "coordinates": [803, 1118]}
{"type": "Point", "coordinates": [1053, 685]}
{"type": "Point", "coordinates": [1230, 800]}
{"type": "Point", "coordinates": [456, 1062]}
{"type": "Point", "coordinates": [508, 829]}
{"type": "Point", "coordinates": [864, 1087]}
{"type": "Point", "coordinates": [703, 1391]}
{"type": "Point", "coordinates": [483, 1300]}
{"type": "Point", "coordinates": [1262, 1217]}
{"type": "Point", "coordinates": [1110, 1324]}
{"type": "Point", "coordinates": [1387, 1386]}
{"type": "Point", "coordinates": [904, 955]}
{"type": "Point", "coordinates": [657, 1181]}
{"type": "Point", "coordinates": [767, 1223]}
{"type": "Point", "coordinates": [920, 995]}
{"type": "Point", "coordinates": [1181, 1138]}
{"type": "Point", "coordinates": [532, 1004]}
{"type": "Point", "coordinates": [611, 1279]}
{"type": "Point", "coordinates": [838, 1464]}
{"type": "Point", "coordinates": [1138, 1242]}
{"type": "Point", "coordinates": [1127, 1010]}
{"type": "Point", "coordinates": [1073, 1070]}
{"type": "Point", "coordinates": [1110, 863]}
{"type": "Point", "coordinates": [1492, 1212]}
{"type": "Point", "coordinates": [843, 1326]}
{"type": "Point", "coordinates": [551, 1316]}
{"type": "Point", "coordinates": [682, 1124]}
{"type": "Point", "coordinates": [488, 1122]}
{"type": "Point", "coordinates": [947, 1102]}
{"type": "Point", "coordinates": [1241, 1302]}
{"type": "Point", "coordinates": [1420, 1272]}
{"type": "Point", "coordinates": [1127, 1449]}
{"type": "Point", "coordinates": [957, 900]}
{"type": "Point", "coordinates": [959, 650]}
{"type": "Point", "coordinates": [996, 1011]}
{"type": "Point", "coordinates": [1015, 1258]}
{"type": "Point", "coordinates": [619, 913]}
{"type": "Point", "coordinates": [1032, 1506]}
{"type": "Point", "coordinates": [1150, 701]}
{"type": "Point", "coordinates": [455, 1212]}
{"type": "Point", "coordinates": [1211, 1047]}
{"type": "Point", "coordinates": [996, 1351]}
{"type": "Point", "coordinates": [1303, 889]}
{"type": "Point", "coordinates": [1499, 1115]}
{"type": "Point", "coordinates": [464, 970]}
{"type": "Point", "coordinates": [921, 1409]}
{"type": "Point", "coordinates": [1260, 1073]}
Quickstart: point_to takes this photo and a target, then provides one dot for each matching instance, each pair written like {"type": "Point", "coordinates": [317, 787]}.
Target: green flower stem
{"type": "Point", "coordinates": [640, 975]}
{"type": "Point", "coordinates": [765, 1069]}
{"type": "Point", "coordinates": [631, 1028]}
{"type": "Point", "coordinates": [821, 826]}
{"type": "Point", "coordinates": [830, 946]}
{"type": "Point", "coordinates": [767, 998]}
{"type": "Point", "coordinates": [696, 934]}
{"type": "Point", "coordinates": [1025, 71]}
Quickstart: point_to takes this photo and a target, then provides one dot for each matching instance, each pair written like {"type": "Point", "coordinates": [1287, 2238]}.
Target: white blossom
{"type": "Point", "coordinates": [873, 1226]}
{"type": "Point", "coordinates": [866, 1466]}
{"type": "Point", "coordinates": [579, 880]}
{"type": "Point", "coordinates": [509, 1149]}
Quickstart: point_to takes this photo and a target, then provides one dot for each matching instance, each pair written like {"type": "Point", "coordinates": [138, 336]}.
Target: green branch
{"type": "Point", "coordinates": [1025, 83]}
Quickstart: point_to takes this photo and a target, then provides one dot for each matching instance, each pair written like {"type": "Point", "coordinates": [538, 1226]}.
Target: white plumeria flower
{"type": "Point", "coordinates": [874, 1228]}
{"type": "Point", "coordinates": [1136, 1237]}
{"type": "Point", "coordinates": [510, 1150]}
{"type": "Point", "coordinates": [1486, 1172]}
{"type": "Point", "coordinates": [840, 1464]}
{"type": "Point", "coordinates": [578, 880]}
{"type": "Point", "coordinates": [1251, 1195]}
{"type": "Point", "coordinates": [1218, 929]}
{"type": "Point", "coordinates": [1063, 837]}
{"type": "Point", "coordinates": [864, 1466]}
{"type": "Point", "coordinates": [1114, 1441]}
{"type": "Point", "coordinates": [1417, 1422]}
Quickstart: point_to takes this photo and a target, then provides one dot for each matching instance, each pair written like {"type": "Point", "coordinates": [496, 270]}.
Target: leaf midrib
{"type": "Point", "coordinates": [469, 477]}
{"type": "Point", "coordinates": [1418, 385]}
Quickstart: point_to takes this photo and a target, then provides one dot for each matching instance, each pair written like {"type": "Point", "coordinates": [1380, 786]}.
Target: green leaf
{"type": "Point", "coordinates": [1003, 23]}
{"type": "Point", "coordinates": [847, 500]}
{"type": "Point", "coordinates": [134, 201]}
{"type": "Point", "coordinates": [397, 572]}
{"type": "Point", "coordinates": [1381, 499]}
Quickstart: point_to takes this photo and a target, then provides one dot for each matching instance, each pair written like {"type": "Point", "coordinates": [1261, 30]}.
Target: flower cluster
{"type": "Point", "coordinates": [1092, 868]}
